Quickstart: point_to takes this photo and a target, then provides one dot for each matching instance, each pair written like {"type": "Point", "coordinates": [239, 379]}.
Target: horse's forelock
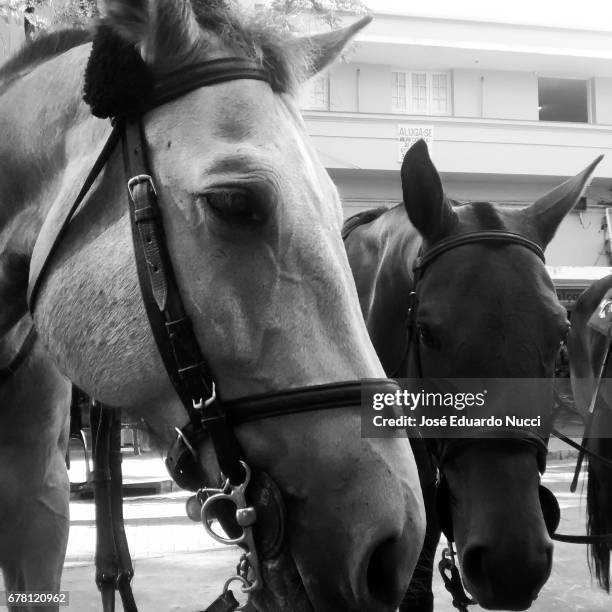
{"type": "Point", "coordinates": [488, 216]}
{"type": "Point", "coordinates": [256, 38]}
{"type": "Point", "coordinates": [173, 35]}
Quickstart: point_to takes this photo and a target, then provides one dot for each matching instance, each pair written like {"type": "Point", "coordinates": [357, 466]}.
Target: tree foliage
{"type": "Point", "coordinates": [327, 11]}
{"type": "Point", "coordinates": [15, 11]}
{"type": "Point", "coordinates": [78, 12]}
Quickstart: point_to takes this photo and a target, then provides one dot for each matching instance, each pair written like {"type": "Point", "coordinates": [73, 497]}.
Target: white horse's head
{"type": "Point", "coordinates": [252, 222]}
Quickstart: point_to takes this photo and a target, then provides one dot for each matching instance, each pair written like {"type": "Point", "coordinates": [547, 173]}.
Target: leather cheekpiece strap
{"type": "Point", "coordinates": [171, 327]}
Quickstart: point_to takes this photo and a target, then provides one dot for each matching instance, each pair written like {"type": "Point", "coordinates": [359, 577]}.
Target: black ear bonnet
{"type": "Point", "coordinates": [118, 83]}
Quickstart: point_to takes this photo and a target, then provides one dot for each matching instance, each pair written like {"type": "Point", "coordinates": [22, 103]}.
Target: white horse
{"type": "Point", "coordinates": [252, 223]}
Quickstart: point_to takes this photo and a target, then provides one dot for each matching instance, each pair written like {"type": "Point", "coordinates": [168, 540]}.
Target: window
{"type": "Point", "coordinates": [422, 93]}
{"type": "Point", "coordinates": [315, 93]}
{"type": "Point", "coordinates": [399, 90]}
{"type": "Point", "coordinates": [563, 100]}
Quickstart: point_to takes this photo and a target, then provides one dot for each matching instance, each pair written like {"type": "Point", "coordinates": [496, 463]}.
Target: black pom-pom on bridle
{"type": "Point", "coordinates": [118, 83]}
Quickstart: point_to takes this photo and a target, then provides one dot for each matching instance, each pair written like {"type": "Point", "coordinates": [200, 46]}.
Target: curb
{"type": "Point", "coordinates": [559, 455]}
{"type": "Point", "coordinates": [84, 491]}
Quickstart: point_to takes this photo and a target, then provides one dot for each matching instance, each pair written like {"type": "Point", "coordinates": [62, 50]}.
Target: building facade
{"type": "Point", "coordinates": [509, 111]}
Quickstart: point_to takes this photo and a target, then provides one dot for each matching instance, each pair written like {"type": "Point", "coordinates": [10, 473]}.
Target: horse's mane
{"type": "Point", "coordinates": [361, 218]}
{"type": "Point", "coordinates": [252, 35]}
{"type": "Point", "coordinates": [42, 48]}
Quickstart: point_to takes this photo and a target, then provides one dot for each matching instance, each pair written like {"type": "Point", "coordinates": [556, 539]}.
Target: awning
{"type": "Point", "coordinates": [571, 281]}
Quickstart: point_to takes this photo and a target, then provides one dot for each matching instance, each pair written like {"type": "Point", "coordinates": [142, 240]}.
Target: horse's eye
{"type": "Point", "coordinates": [566, 333]}
{"type": "Point", "coordinates": [233, 206]}
{"type": "Point", "coordinates": [425, 335]}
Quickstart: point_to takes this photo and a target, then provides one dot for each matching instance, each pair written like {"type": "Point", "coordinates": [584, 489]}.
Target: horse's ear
{"type": "Point", "coordinates": [160, 30]}
{"type": "Point", "coordinates": [424, 199]}
{"type": "Point", "coordinates": [548, 211]}
{"type": "Point", "coordinates": [130, 20]}
{"type": "Point", "coordinates": [322, 49]}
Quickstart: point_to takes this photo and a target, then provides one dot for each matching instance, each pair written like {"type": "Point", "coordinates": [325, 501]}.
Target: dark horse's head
{"type": "Point", "coordinates": [490, 310]}
{"type": "Point", "coordinates": [484, 310]}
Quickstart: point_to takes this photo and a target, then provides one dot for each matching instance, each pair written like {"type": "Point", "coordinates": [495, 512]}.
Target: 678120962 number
{"type": "Point", "coordinates": [34, 598]}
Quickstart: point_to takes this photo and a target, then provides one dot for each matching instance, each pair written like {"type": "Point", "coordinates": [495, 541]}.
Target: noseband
{"type": "Point", "coordinates": [209, 416]}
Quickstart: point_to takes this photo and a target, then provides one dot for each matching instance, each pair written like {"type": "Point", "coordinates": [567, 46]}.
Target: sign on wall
{"type": "Point", "coordinates": [408, 134]}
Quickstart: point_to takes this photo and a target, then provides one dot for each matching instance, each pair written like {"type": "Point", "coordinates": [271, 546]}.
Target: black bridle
{"type": "Point", "coordinates": [209, 416]}
{"type": "Point", "coordinates": [445, 450]}
{"type": "Point", "coordinates": [20, 356]}
{"type": "Point", "coordinates": [449, 447]}
{"type": "Point", "coordinates": [183, 359]}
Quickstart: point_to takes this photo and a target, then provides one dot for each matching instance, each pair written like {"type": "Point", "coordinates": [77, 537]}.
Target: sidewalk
{"type": "Point", "coordinates": [143, 474]}
{"type": "Point", "coordinates": [557, 449]}
{"type": "Point", "coordinates": [153, 508]}
{"type": "Point", "coordinates": [146, 474]}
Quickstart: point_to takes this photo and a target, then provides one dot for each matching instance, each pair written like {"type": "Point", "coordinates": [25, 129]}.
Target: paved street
{"type": "Point", "coordinates": [179, 568]}
{"type": "Point", "coordinates": [569, 589]}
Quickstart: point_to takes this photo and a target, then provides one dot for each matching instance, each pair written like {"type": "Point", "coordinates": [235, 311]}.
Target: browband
{"type": "Point", "coordinates": [182, 81]}
{"type": "Point", "coordinates": [486, 237]}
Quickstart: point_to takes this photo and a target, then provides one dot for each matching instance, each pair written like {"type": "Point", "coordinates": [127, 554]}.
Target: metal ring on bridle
{"type": "Point", "coordinates": [245, 589]}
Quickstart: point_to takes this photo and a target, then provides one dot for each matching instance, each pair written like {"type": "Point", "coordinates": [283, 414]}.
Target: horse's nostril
{"type": "Point", "coordinates": [487, 577]}
{"type": "Point", "coordinates": [472, 562]}
{"type": "Point", "coordinates": [382, 571]}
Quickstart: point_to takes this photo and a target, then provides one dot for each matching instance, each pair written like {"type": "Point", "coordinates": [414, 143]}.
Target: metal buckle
{"type": "Point", "coordinates": [206, 403]}
{"type": "Point", "coordinates": [186, 442]}
{"type": "Point", "coordinates": [140, 178]}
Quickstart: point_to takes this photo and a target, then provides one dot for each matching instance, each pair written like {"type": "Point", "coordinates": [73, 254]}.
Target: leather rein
{"type": "Point", "coordinates": [209, 416]}
{"type": "Point", "coordinates": [20, 356]}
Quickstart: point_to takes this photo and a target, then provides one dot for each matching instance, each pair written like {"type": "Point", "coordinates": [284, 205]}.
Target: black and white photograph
{"type": "Point", "coordinates": [305, 305]}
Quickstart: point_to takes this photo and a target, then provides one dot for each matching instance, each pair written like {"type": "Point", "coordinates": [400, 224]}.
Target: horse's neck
{"type": "Point", "coordinates": [391, 244]}
{"type": "Point", "coordinates": [45, 125]}
{"type": "Point", "coordinates": [49, 138]}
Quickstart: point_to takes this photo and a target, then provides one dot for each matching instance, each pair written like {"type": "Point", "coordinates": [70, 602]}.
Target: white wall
{"type": "Point", "coordinates": [343, 88]}
{"type": "Point", "coordinates": [374, 88]}
{"type": "Point", "coordinates": [467, 93]}
{"type": "Point", "coordinates": [463, 145]}
{"type": "Point", "coordinates": [495, 95]}
{"type": "Point", "coordinates": [579, 241]}
{"type": "Point", "coordinates": [602, 100]}
{"type": "Point", "coordinates": [507, 95]}
{"type": "Point", "coordinates": [510, 95]}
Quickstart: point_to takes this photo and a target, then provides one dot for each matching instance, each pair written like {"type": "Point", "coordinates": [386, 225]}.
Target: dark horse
{"type": "Point", "coordinates": [251, 225]}
{"type": "Point", "coordinates": [587, 348]}
{"type": "Point", "coordinates": [486, 309]}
